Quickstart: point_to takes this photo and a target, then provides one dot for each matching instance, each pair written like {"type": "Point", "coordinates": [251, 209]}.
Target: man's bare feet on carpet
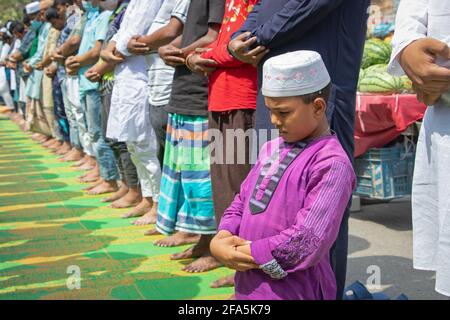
{"type": "Point", "coordinates": [178, 239]}
{"type": "Point", "coordinates": [131, 199]}
{"type": "Point", "coordinates": [104, 187]}
{"type": "Point", "coordinates": [224, 282]}
{"type": "Point", "coordinates": [81, 161]}
{"type": "Point", "coordinates": [203, 264]}
{"type": "Point", "coordinates": [38, 137]}
{"type": "Point", "coordinates": [205, 261]}
{"type": "Point", "coordinates": [89, 177]}
{"type": "Point", "coordinates": [72, 155]}
{"type": "Point", "coordinates": [152, 232]}
{"type": "Point", "coordinates": [149, 217]}
{"type": "Point", "coordinates": [123, 190]}
{"type": "Point", "coordinates": [92, 186]}
{"type": "Point", "coordinates": [142, 208]}
{"type": "Point", "coordinates": [50, 143]}
{"type": "Point", "coordinates": [43, 139]}
{"type": "Point", "coordinates": [90, 164]}
{"type": "Point", "coordinates": [63, 149]}
{"type": "Point", "coordinates": [200, 248]}
{"type": "Point", "coordinates": [55, 145]}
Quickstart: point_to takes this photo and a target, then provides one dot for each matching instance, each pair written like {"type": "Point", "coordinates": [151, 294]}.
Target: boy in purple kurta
{"type": "Point", "coordinates": [278, 231]}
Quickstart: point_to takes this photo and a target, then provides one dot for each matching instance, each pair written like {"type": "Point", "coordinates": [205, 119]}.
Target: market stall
{"type": "Point", "coordinates": [386, 107]}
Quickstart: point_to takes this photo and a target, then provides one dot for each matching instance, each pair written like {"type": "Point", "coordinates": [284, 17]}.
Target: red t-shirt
{"type": "Point", "coordinates": [234, 84]}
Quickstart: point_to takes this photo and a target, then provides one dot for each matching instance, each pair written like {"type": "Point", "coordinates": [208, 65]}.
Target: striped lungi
{"type": "Point", "coordinates": [185, 202]}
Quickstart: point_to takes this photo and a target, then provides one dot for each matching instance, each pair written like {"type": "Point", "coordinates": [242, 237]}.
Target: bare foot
{"type": "Point", "coordinates": [105, 187]}
{"type": "Point", "coordinates": [149, 217]}
{"type": "Point", "coordinates": [198, 250]}
{"type": "Point", "coordinates": [203, 264]}
{"type": "Point", "coordinates": [225, 282]}
{"type": "Point", "coordinates": [178, 239]}
{"type": "Point", "coordinates": [152, 232]}
{"type": "Point", "coordinates": [206, 261]}
{"type": "Point", "coordinates": [81, 161]}
{"type": "Point", "coordinates": [88, 165]}
{"type": "Point", "coordinates": [42, 139]}
{"type": "Point", "coordinates": [37, 137]}
{"type": "Point", "coordinates": [55, 146]}
{"type": "Point", "coordinates": [73, 155]}
{"type": "Point", "coordinates": [64, 149]}
{"type": "Point", "coordinates": [49, 143]}
{"type": "Point", "coordinates": [95, 184]}
{"type": "Point", "coordinates": [123, 190]}
{"type": "Point", "coordinates": [131, 199]}
{"type": "Point", "coordinates": [141, 209]}
{"type": "Point", "coordinates": [90, 177]}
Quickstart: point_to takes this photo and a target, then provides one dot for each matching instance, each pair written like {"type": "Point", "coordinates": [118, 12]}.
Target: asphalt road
{"type": "Point", "coordinates": [380, 248]}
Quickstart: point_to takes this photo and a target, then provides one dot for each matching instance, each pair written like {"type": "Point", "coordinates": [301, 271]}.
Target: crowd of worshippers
{"type": "Point", "coordinates": [129, 92]}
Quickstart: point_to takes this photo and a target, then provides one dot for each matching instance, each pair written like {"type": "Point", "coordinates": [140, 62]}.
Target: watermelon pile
{"type": "Point", "coordinates": [373, 76]}
{"type": "Point", "coordinates": [376, 51]}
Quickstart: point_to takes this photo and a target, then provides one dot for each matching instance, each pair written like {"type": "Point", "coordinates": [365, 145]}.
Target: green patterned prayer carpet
{"type": "Point", "coordinates": [51, 232]}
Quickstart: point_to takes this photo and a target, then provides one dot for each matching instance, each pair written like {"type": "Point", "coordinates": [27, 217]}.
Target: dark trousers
{"type": "Point", "coordinates": [61, 123]}
{"type": "Point", "coordinates": [126, 167]}
{"type": "Point", "coordinates": [158, 119]}
{"type": "Point", "coordinates": [226, 179]}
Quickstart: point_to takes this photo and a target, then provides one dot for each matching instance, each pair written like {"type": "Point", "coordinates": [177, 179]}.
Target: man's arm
{"type": "Point", "coordinates": [206, 40]}
{"type": "Point", "coordinates": [70, 47]}
{"type": "Point", "coordinates": [89, 58]}
{"type": "Point", "coordinates": [137, 20]}
{"type": "Point", "coordinates": [411, 25]}
{"type": "Point", "coordinates": [415, 54]}
{"type": "Point", "coordinates": [293, 21]}
{"type": "Point", "coordinates": [163, 36]}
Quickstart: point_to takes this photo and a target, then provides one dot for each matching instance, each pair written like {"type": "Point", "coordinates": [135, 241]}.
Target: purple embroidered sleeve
{"type": "Point", "coordinates": [296, 249]}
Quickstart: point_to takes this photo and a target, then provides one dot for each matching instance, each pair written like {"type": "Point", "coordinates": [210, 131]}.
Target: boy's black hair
{"type": "Point", "coordinates": [324, 94]}
{"type": "Point", "coordinates": [19, 28]}
{"type": "Point", "coordinates": [51, 13]}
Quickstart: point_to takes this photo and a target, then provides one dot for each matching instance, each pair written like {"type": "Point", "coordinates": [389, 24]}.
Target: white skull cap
{"type": "Point", "coordinates": [295, 73]}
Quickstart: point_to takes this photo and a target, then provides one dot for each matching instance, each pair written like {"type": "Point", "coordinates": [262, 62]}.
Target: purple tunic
{"type": "Point", "coordinates": [298, 222]}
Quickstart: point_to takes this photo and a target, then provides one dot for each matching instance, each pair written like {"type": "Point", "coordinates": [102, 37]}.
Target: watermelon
{"type": "Point", "coordinates": [376, 79]}
{"type": "Point", "coordinates": [380, 82]}
{"type": "Point", "coordinates": [376, 68]}
{"type": "Point", "coordinates": [376, 51]}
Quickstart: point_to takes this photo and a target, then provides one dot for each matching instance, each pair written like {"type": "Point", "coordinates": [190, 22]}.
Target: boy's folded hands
{"type": "Point", "coordinates": [233, 252]}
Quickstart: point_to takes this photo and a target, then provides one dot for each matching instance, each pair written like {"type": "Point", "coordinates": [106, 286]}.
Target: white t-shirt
{"type": "Point", "coordinates": [161, 75]}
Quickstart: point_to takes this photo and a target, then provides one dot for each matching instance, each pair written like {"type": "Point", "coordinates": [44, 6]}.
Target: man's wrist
{"type": "Point", "coordinates": [231, 52]}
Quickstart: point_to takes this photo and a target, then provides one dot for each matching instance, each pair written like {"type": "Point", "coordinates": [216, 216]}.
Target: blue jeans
{"type": "Point", "coordinates": [92, 105]}
{"type": "Point", "coordinates": [69, 108]}
{"type": "Point", "coordinates": [61, 123]}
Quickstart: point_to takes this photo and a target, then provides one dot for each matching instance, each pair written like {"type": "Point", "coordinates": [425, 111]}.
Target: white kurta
{"type": "Point", "coordinates": [4, 83]}
{"type": "Point", "coordinates": [431, 187]}
{"type": "Point", "coordinates": [129, 117]}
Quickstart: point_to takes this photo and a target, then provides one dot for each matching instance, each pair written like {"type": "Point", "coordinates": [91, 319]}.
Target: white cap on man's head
{"type": "Point", "coordinates": [294, 74]}
{"type": "Point", "coordinates": [32, 7]}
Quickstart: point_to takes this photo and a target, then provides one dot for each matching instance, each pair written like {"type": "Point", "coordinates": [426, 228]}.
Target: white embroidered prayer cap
{"type": "Point", "coordinates": [294, 74]}
{"type": "Point", "coordinates": [32, 7]}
